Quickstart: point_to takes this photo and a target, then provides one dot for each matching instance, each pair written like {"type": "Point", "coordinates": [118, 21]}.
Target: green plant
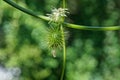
{"type": "Point", "coordinates": [60, 26]}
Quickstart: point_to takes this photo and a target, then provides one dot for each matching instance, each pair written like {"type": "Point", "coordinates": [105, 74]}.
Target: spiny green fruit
{"type": "Point", "coordinates": [54, 38]}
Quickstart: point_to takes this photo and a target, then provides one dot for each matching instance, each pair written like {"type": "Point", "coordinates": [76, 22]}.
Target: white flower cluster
{"type": "Point", "coordinates": [58, 14]}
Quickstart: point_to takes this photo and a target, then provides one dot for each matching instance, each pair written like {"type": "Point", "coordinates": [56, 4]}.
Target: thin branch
{"type": "Point", "coordinates": [26, 10]}
{"type": "Point", "coordinates": [64, 53]}
{"type": "Point", "coordinates": [64, 45]}
{"type": "Point", "coordinates": [81, 27]}
{"type": "Point", "coordinates": [64, 3]}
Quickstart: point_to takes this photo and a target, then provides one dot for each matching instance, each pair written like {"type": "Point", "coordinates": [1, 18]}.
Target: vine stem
{"type": "Point", "coordinates": [64, 4]}
{"type": "Point", "coordinates": [64, 44]}
{"type": "Point", "coordinates": [64, 52]}
{"type": "Point", "coordinates": [74, 26]}
{"type": "Point", "coordinates": [93, 28]}
{"type": "Point", "coordinates": [26, 10]}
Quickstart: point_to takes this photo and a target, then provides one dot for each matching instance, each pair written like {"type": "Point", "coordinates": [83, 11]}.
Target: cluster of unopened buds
{"type": "Point", "coordinates": [57, 15]}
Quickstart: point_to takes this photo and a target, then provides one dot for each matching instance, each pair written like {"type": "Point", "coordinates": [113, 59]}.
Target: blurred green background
{"type": "Point", "coordinates": [91, 55]}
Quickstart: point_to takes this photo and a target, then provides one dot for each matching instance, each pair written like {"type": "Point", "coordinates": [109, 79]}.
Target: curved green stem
{"type": "Point", "coordinates": [26, 10]}
{"type": "Point", "coordinates": [64, 45]}
{"type": "Point", "coordinates": [64, 53]}
{"type": "Point", "coordinates": [82, 27]}
{"type": "Point", "coordinates": [64, 4]}
{"type": "Point", "coordinates": [74, 26]}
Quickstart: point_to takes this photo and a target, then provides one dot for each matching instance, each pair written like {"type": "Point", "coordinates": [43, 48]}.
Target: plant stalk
{"type": "Point", "coordinates": [94, 28]}
{"type": "Point", "coordinates": [64, 4]}
{"type": "Point", "coordinates": [26, 10]}
{"type": "Point", "coordinates": [74, 26]}
{"type": "Point", "coordinates": [64, 44]}
{"type": "Point", "coordinates": [64, 52]}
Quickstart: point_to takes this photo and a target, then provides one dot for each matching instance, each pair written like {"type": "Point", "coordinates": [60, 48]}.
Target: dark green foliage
{"type": "Point", "coordinates": [91, 55]}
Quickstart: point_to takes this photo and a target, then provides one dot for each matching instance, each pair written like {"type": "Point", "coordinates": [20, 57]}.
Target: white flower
{"type": "Point", "coordinates": [57, 14]}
